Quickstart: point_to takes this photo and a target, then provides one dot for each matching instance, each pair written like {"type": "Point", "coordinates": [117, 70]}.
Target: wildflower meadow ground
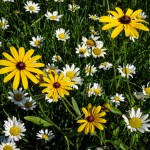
{"type": "Point", "coordinates": [74, 75]}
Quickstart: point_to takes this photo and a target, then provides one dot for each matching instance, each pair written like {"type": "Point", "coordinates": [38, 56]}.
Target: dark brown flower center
{"type": "Point", "coordinates": [20, 65]}
{"type": "Point", "coordinates": [90, 119]}
{"type": "Point", "coordinates": [125, 19]}
{"type": "Point", "coordinates": [56, 85]}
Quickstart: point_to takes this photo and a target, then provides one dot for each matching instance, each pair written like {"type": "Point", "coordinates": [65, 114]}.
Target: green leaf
{"type": "Point", "coordinates": [115, 110]}
{"type": "Point", "coordinates": [38, 97]}
{"type": "Point", "coordinates": [75, 106]}
{"type": "Point", "coordinates": [37, 121]}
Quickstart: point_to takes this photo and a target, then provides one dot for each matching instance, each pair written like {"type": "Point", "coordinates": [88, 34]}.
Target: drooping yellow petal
{"type": "Point", "coordinates": [110, 25]}
{"type": "Point", "coordinates": [35, 65]}
{"type": "Point", "coordinates": [21, 53]}
{"type": "Point", "coordinates": [136, 13]}
{"type": "Point", "coordinates": [10, 58]}
{"type": "Point", "coordinates": [10, 76]}
{"type": "Point", "coordinates": [55, 95]}
{"type": "Point", "coordinates": [33, 59]}
{"type": "Point", "coordinates": [87, 128]}
{"type": "Point", "coordinates": [60, 92]}
{"type": "Point", "coordinates": [65, 91]}
{"type": "Point", "coordinates": [117, 30]}
{"type": "Point", "coordinates": [120, 12]}
{"type": "Point", "coordinates": [31, 76]}
{"type": "Point", "coordinates": [127, 30]}
{"type": "Point", "coordinates": [50, 93]}
{"type": "Point", "coordinates": [14, 53]}
{"type": "Point", "coordinates": [24, 80]}
{"type": "Point", "coordinates": [129, 12]}
{"type": "Point", "coordinates": [7, 69]}
{"type": "Point", "coordinates": [98, 125]}
{"type": "Point", "coordinates": [92, 128]}
{"type": "Point", "coordinates": [139, 26]}
{"type": "Point", "coordinates": [81, 128]}
{"type": "Point", "coordinates": [6, 63]}
{"type": "Point", "coordinates": [34, 70]}
{"type": "Point", "coordinates": [16, 80]}
{"type": "Point", "coordinates": [28, 55]}
{"type": "Point", "coordinates": [134, 32]}
{"type": "Point", "coordinates": [107, 19]}
{"type": "Point", "coordinates": [114, 14]}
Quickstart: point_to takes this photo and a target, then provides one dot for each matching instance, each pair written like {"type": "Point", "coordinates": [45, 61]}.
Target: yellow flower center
{"type": "Point", "coordinates": [82, 51]}
{"type": "Point", "coordinates": [2, 24]}
{"type": "Point", "coordinates": [105, 64]}
{"type": "Point", "coordinates": [14, 131]}
{"type": "Point", "coordinates": [57, 58]}
{"type": "Point", "coordinates": [116, 98]}
{"type": "Point", "coordinates": [28, 104]}
{"type": "Point", "coordinates": [89, 69]}
{"type": "Point", "coordinates": [53, 17]}
{"type": "Point", "coordinates": [126, 70]}
{"type": "Point", "coordinates": [7, 147]}
{"type": "Point", "coordinates": [45, 136]}
{"type": "Point", "coordinates": [93, 17]}
{"type": "Point", "coordinates": [62, 36]}
{"type": "Point", "coordinates": [31, 8]}
{"type": "Point", "coordinates": [135, 122]}
{"type": "Point", "coordinates": [147, 90]}
{"type": "Point", "coordinates": [97, 51]}
{"type": "Point", "coordinates": [37, 42]}
{"type": "Point", "coordinates": [70, 74]}
{"type": "Point", "coordinates": [90, 42]}
{"type": "Point", "coordinates": [17, 97]}
{"type": "Point", "coordinates": [97, 91]}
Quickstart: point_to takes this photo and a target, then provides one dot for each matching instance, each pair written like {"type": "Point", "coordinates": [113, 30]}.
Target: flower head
{"type": "Point", "coordinates": [92, 119]}
{"type": "Point", "coordinates": [3, 24]}
{"type": "Point", "coordinates": [20, 64]}
{"type": "Point", "coordinates": [37, 41]}
{"type": "Point", "coordinates": [128, 22]}
{"type": "Point", "coordinates": [146, 90]}
{"type": "Point", "coordinates": [45, 135]}
{"type": "Point", "coordinates": [14, 129]}
{"type": "Point", "coordinates": [51, 69]}
{"type": "Point", "coordinates": [32, 7]}
{"type": "Point", "coordinates": [127, 71]}
{"type": "Point", "coordinates": [97, 90]}
{"type": "Point", "coordinates": [53, 16]}
{"type": "Point", "coordinates": [93, 17]}
{"type": "Point", "coordinates": [8, 146]}
{"type": "Point", "coordinates": [56, 58]}
{"type": "Point", "coordinates": [105, 65]}
{"type": "Point", "coordinates": [136, 121]}
{"type": "Point", "coordinates": [90, 70]}
{"type": "Point", "coordinates": [73, 7]}
{"type": "Point", "coordinates": [56, 86]}
{"type": "Point", "coordinates": [117, 99]}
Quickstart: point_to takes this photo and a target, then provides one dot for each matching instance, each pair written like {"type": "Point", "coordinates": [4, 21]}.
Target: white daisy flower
{"type": "Point", "coordinates": [90, 70]}
{"type": "Point", "coordinates": [29, 104]}
{"type": "Point", "coordinates": [62, 35]}
{"type": "Point", "coordinates": [73, 7]}
{"type": "Point", "coordinates": [93, 17]}
{"type": "Point", "coordinates": [58, 0]}
{"type": "Point", "coordinates": [8, 146]}
{"type": "Point", "coordinates": [32, 7]}
{"type": "Point", "coordinates": [91, 41]}
{"type": "Point", "coordinates": [8, 0]}
{"type": "Point", "coordinates": [18, 96]}
{"type": "Point", "coordinates": [141, 96]}
{"type": "Point", "coordinates": [117, 99]}
{"type": "Point", "coordinates": [97, 89]}
{"type": "Point", "coordinates": [136, 121]}
{"type": "Point", "coordinates": [56, 58]}
{"type": "Point", "coordinates": [83, 51]}
{"type": "Point", "coordinates": [14, 129]}
{"type": "Point", "coordinates": [52, 69]}
{"type": "Point", "coordinates": [146, 90]}
{"type": "Point", "coordinates": [90, 91]}
{"type": "Point", "coordinates": [132, 38]}
{"type": "Point", "coordinates": [105, 65]}
{"type": "Point", "coordinates": [77, 81]}
{"type": "Point", "coordinates": [3, 23]}
{"type": "Point", "coordinates": [37, 41]}
{"type": "Point", "coordinates": [127, 71]}
{"type": "Point", "coordinates": [45, 134]}
{"type": "Point", "coordinates": [50, 99]}
{"type": "Point", "coordinates": [98, 51]}
{"type": "Point", "coordinates": [53, 16]}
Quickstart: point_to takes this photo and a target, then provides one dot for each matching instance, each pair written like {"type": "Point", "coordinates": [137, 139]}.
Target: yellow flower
{"type": "Point", "coordinates": [128, 21]}
{"type": "Point", "coordinates": [92, 119]}
{"type": "Point", "coordinates": [56, 86]}
{"type": "Point", "coordinates": [20, 66]}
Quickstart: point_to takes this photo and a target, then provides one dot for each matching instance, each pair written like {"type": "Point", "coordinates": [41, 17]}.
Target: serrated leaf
{"type": "Point", "coordinates": [75, 106]}
{"type": "Point", "coordinates": [115, 110]}
{"type": "Point", "coordinates": [38, 121]}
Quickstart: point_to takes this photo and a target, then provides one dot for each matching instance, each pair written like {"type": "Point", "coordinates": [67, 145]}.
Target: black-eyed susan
{"type": "Point", "coordinates": [56, 86]}
{"type": "Point", "coordinates": [92, 119]}
{"type": "Point", "coordinates": [20, 64]}
{"type": "Point", "coordinates": [128, 22]}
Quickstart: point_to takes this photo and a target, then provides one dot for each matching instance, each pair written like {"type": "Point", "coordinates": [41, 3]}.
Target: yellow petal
{"type": "Point", "coordinates": [9, 57]}
{"type": "Point", "coordinates": [33, 59]}
{"type": "Point", "coordinates": [24, 79]}
{"type": "Point", "coordinates": [136, 13]}
{"type": "Point", "coordinates": [7, 69]}
{"type": "Point", "coordinates": [34, 70]}
{"type": "Point", "coordinates": [114, 14]}
{"type": "Point", "coordinates": [45, 90]}
{"type": "Point", "coordinates": [31, 76]}
{"type": "Point", "coordinates": [101, 120]}
{"type": "Point", "coordinates": [117, 30]}
{"type": "Point", "coordinates": [14, 53]}
{"type": "Point", "coordinates": [51, 77]}
{"type": "Point", "coordinates": [120, 12]}
{"type": "Point", "coordinates": [65, 92]}
{"type": "Point", "coordinates": [10, 76]}
{"type": "Point", "coordinates": [81, 121]}
{"type": "Point", "coordinates": [97, 110]}
{"type": "Point", "coordinates": [98, 125]}
{"type": "Point", "coordinates": [87, 128]}
{"type": "Point", "coordinates": [100, 114]}
{"type": "Point", "coordinates": [81, 128]}
{"type": "Point", "coordinates": [56, 78]}
{"type": "Point", "coordinates": [127, 30]}
{"type": "Point", "coordinates": [47, 80]}
{"type": "Point", "coordinates": [139, 26]}
{"type": "Point", "coordinates": [16, 80]}
{"type": "Point", "coordinates": [35, 65]}
{"type": "Point", "coordinates": [85, 111]}
{"type": "Point", "coordinates": [21, 53]}
{"type": "Point", "coordinates": [6, 63]}
{"type": "Point", "coordinates": [110, 25]}
{"type": "Point", "coordinates": [129, 12]}
{"type": "Point", "coordinates": [55, 95]}
{"type": "Point", "coordinates": [92, 128]}
{"type": "Point", "coordinates": [28, 55]}
{"type": "Point", "coordinates": [60, 77]}
{"type": "Point", "coordinates": [50, 93]}
{"type": "Point", "coordinates": [107, 19]}
{"type": "Point", "coordinates": [60, 92]}
{"type": "Point", "coordinates": [134, 32]}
